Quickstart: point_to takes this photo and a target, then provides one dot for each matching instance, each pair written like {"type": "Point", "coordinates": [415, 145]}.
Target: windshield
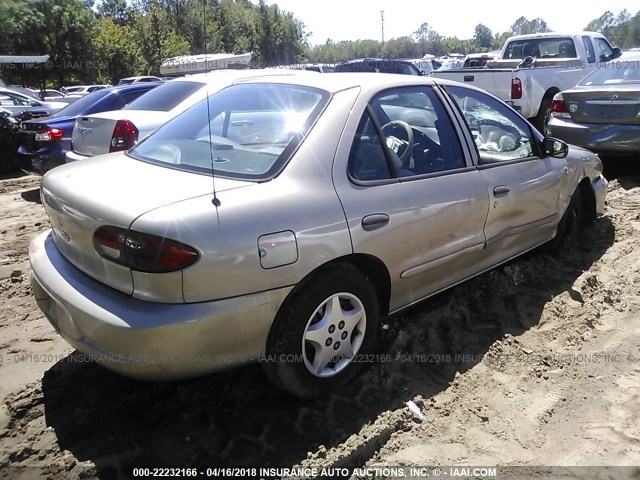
{"type": "Point", "coordinates": [252, 131]}
{"type": "Point", "coordinates": [165, 97]}
{"type": "Point", "coordinates": [80, 106]}
{"type": "Point", "coordinates": [618, 72]}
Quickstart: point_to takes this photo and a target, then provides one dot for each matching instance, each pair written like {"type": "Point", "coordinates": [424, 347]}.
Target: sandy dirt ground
{"type": "Point", "coordinates": [535, 363]}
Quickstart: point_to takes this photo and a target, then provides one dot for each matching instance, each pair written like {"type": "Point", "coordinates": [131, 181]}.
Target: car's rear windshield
{"type": "Point", "coordinates": [80, 106]}
{"type": "Point", "coordinates": [617, 72]}
{"type": "Point", "coordinates": [165, 97]}
{"type": "Point", "coordinates": [246, 131]}
{"type": "Point", "coordinates": [548, 47]}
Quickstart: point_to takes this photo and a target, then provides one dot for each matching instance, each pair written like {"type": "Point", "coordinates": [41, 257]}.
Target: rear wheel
{"type": "Point", "coordinates": [325, 326]}
{"type": "Point", "coordinates": [543, 115]}
{"type": "Point", "coordinates": [569, 226]}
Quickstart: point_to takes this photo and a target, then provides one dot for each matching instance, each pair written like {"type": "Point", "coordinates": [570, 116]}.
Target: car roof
{"type": "Point", "coordinates": [229, 75]}
{"type": "Point", "coordinates": [628, 57]}
{"type": "Point", "coordinates": [359, 60]}
{"type": "Point", "coordinates": [343, 81]}
{"type": "Point", "coordinates": [368, 82]}
{"type": "Point", "coordinates": [531, 36]}
{"type": "Point", "coordinates": [11, 90]}
{"type": "Point", "coordinates": [134, 86]}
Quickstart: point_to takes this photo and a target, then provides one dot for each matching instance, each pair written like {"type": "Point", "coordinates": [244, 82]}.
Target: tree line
{"type": "Point", "coordinates": [622, 30]}
{"type": "Point", "coordinates": [103, 42]}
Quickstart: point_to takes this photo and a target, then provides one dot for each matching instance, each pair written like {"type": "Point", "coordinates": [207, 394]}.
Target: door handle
{"type": "Point", "coordinates": [501, 190]}
{"type": "Point", "coordinates": [375, 221]}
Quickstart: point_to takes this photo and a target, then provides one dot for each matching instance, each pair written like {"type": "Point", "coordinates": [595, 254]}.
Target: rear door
{"type": "Point", "coordinates": [420, 211]}
{"type": "Point", "coordinates": [524, 186]}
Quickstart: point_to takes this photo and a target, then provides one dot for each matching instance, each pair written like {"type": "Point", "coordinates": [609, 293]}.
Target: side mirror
{"type": "Point", "coordinates": [616, 53]}
{"type": "Point", "coordinates": [34, 104]}
{"type": "Point", "coordinates": [555, 148]}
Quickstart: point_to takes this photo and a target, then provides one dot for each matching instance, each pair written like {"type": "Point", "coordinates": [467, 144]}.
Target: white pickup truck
{"type": "Point", "coordinates": [533, 68]}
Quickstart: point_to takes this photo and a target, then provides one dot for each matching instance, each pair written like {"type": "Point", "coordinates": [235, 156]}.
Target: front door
{"type": "Point", "coordinates": [411, 197]}
{"type": "Point", "coordinates": [524, 185]}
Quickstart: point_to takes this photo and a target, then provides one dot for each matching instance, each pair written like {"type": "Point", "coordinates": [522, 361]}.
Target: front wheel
{"type": "Point", "coordinates": [569, 226]}
{"type": "Point", "coordinates": [322, 333]}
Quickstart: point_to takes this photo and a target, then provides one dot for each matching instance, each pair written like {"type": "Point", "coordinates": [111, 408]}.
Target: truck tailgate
{"type": "Point", "coordinates": [495, 81]}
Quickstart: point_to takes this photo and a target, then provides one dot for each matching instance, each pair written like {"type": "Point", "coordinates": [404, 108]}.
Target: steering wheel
{"type": "Point", "coordinates": [396, 142]}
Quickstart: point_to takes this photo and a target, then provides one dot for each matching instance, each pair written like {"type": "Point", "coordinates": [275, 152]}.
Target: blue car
{"type": "Point", "coordinates": [45, 141]}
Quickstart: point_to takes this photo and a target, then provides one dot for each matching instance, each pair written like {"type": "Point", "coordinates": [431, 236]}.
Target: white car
{"type": "Point", "coordinates": [139, 79]}
{"type": "Point", "coordinates": [82, 90]}
{"type": "Point", "coordinates": [119, 130]}
{"type": "Point", "coordinates": [16, 102]}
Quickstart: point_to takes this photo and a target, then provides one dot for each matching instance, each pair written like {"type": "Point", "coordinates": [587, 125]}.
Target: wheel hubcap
{"type": "Point", "coordinates": [334, 334]}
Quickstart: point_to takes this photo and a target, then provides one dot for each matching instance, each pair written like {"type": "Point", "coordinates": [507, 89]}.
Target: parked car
{"type": "Point", "coordinates": [49, 94]}
{"type": "Point", "coordinates": [378, 65]}
{"type": "Point", "coordinates": [140, 79]}
{"type": "Point", "coordinates": [426, 65]}
{"type": "Point", "coordinates": [120, 130]}
{"type": "Point", "coordinates": [480, 60]}
{"type": "Point", "coordinates": [602, 112]}
{"type": "Point", "coordinates": [279, 218]}
{"type": "Point", "coordinates": [45, 142]}
{"type": "Point", "coordinates": [25, 91]}
{"type": "Point", "coordinates": [8, 141]}
{"type": "Point", "coordinates": [533, 68]}
{"type": "Point", "coordinates": [82, 90]}
{"type": "Point", "coordinates": [16, 102]}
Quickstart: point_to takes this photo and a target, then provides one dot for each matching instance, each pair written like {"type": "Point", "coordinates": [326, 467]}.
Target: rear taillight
{"type": "Point", "coordinates": [49, 135]}
{"type": "Point", "coordinates": [558, 105]}
{"type": "Point", "coordinates": [125, 135]}
{"type": "Point", "coordinates": [143, 252]}
{"type": "Point", "coordinates": [516, 88]}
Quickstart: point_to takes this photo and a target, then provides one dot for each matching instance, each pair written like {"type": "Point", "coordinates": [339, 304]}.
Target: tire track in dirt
{"type": "Point", "coordinates": [481, 361]}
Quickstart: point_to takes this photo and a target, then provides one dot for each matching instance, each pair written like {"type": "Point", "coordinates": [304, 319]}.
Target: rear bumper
{"type": "Point", "coordinates": [144, 339]}
{"type": "Point", "coordinates": [72, 156]}
{"type": "Point", "coordinates": [606, 139]}
{"type": "Point", "coordinates": [40, 161]}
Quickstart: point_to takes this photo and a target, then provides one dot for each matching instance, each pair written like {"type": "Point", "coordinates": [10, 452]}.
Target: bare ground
{"type": "Point", "coordinates": [535, 363]}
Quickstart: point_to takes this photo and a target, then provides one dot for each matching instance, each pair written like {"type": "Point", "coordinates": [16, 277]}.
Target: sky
{"type": "Point", "coordinates": [360, 19]}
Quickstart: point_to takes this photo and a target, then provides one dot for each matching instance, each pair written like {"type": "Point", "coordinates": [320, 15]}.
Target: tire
{"type": "Point", "coordinates": [543, 115]}
{"type": "Point", "coordinates": [569, 226]}
{"type": "Point", "coordinates": [311, 326]}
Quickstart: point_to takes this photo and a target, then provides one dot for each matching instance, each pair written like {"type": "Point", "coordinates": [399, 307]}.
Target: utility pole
{"type": "Point", "coordinates": [382, 23]}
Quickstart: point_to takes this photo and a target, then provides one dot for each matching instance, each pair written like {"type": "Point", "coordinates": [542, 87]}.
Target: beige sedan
{"type": "Point", "coordinates": [279, 219]}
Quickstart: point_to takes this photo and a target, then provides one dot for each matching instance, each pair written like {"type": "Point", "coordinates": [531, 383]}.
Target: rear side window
{"type": "Point", "coordinates": [82, 106]}
{"type": "Point", "coordinates": [165, 97]}
{"type": "Point", "coordinates": [127, 97]}
{"type": "Point", "coordinates": [588, 46]}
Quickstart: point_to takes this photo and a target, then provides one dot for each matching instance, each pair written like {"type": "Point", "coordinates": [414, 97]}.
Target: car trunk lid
{"type": "Point", "coordinates": [93, 133]}
{"type": "Point", "coordinates": [619, 105]}
{"type": "Point", "coordinates": [112, 190]}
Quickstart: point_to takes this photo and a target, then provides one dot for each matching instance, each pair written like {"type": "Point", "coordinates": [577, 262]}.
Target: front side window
{"type": "Point", "coordinates": [246, 131]}
{"type": "Point", "coordinates": [411, 135]}
{"type": "Point", "coordinates": [499, 133]}
{"type": "Point", "coordinates": [603, 49]}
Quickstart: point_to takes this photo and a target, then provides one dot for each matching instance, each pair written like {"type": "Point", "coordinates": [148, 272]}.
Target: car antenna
{"type": "Point", "coordinates": [216, 200]}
